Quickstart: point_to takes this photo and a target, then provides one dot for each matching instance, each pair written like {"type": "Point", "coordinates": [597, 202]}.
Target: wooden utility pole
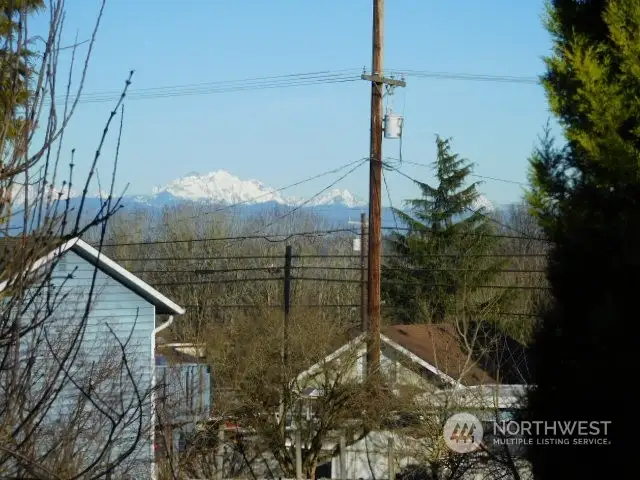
{"type": "Point", "coordinates": [364, 323]}
{"type": "Point", "coordinates": [287, 293]}
{"type": "Point", "coordinates": [378, 81]}
{"type": "Point", "coordinates": [284, 400]}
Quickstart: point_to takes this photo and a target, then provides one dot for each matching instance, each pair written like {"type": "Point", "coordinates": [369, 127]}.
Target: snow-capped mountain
{"type": "Point", "coordinates": [483, 202]}
{"type": "Point", "coordinates": [249, 197]}
{"type": "Point", "coordinates": [219, 187]}
{"type": "Point", "coordinates": [222, 187]}
{"type": "Point", "coordinates": [336, 197]}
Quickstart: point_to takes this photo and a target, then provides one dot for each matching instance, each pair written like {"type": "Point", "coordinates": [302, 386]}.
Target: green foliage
{"type": "Point", "coordinates": [15, 62]}
{"type": "Point", "coordinates": [593, 87]}
{"type": "Point", "coordinates": [585, 195]}
{"type": "Point", "coordinates": [439, 270]}
{"type": "Point", "coordinates": [586, 334]}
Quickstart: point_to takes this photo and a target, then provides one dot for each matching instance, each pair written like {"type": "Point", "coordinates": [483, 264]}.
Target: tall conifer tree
{"type": "Point", "coordinates": [586, 195]}
{"type": "Point", "coordinates": [437, 269]}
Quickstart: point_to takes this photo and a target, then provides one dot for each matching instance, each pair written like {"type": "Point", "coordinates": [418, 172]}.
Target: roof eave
{"type": "Point", "coordinates": [164, 306]}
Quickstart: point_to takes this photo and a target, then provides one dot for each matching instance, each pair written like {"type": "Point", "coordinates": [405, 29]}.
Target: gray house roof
{"type": "Point", "coordinates": [164, 306]}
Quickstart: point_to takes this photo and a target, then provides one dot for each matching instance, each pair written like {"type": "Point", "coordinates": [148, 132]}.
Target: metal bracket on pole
{"type": "Point", "coordinates": [384, 80]}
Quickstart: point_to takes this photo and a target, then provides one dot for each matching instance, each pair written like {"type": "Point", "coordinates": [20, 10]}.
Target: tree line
{"type": "Point", "coordinates": [212, 261]}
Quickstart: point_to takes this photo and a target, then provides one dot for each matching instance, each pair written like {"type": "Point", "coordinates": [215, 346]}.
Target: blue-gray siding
{"type": "Point", "coordinates": [116, 315]}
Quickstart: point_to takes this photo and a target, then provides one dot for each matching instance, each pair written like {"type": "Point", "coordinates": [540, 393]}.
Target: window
{"type": "Point", "coordinates": [181, 444]}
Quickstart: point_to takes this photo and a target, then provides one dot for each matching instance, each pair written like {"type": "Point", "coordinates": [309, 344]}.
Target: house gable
{"type": "Point", "coordinates": [98, 259]}
{"type": "Point", "coordinates": [395, 361]}
{"type": "Point", "coordinates": [435, 353]}
{"type": "Point", "coordinates": [113, 327]}
{"type": "Point", "coordinates": [403, 370]}
{"type": "Point", "coordinates": [164, 306]}
{"type": "Point", "coordinates": [111, 315]}
{"type": "Point", "coordinates": [494, 357]}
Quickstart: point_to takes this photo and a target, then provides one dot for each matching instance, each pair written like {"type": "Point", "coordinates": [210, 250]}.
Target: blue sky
{"type": "Point", "coordinates": [280, 136]}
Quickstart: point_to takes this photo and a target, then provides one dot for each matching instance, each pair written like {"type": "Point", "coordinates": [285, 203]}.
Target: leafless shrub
{"type": "Point", "coordinates": [71, 401]}
{"type": "Point", "coordinates": [220, 269]}
{"type": "Point", "coordinates": [269, 392]}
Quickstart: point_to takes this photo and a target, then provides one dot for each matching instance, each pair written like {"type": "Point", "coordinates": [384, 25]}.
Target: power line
{"type": "Point", "coordinates": [328, 256]}
{"type": "Point", "coordinates": [475, 77]}
{"type": "Point", "coordinates": [319, 306]}
{"type": "Point", "coordinates": [279, 238]}
{"type": "Point", "coordinates": [273, 238]}
{"type": "Point", "coordinates": [498, 287]}
{"type": "Point", "coordinates": [287, 81]}
{"type": "Point", "coordinates": [249, 305]}
{"type": "Point", "coordinates": [471, 234]}
{"type": "Point", "coordinates": [99, 310]}
{"type": "Point", "coordinates": [228, 86]}
{"type": "Point", "coordinates": [222, 257]}
{"type": "Point", "coordinates": [303, 305]}
{"type": "Point", "coordinates": [336, 280]}
{"type": "Point", "coordinates": [72, 46]}
{"type": "Point", "coordinates": [496, 179]}
{"type": "Point", "coordinates": [213, 282]}
{"type": "Point", "coordinates": [210, 271]}
{"type": "Point", "coordinates": [251, 80]}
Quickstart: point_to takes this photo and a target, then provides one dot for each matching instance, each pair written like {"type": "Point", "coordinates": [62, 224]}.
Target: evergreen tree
{"type": "Point", "coordinates": [436, 269]}
{"type": "Point", "coordinates": [586, 195]}
{"type": "Point", "coordinates": [15, 63]}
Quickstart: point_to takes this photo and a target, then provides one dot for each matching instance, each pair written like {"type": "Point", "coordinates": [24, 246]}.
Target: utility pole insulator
{"type": "Point", "coordinates": [384, 80]}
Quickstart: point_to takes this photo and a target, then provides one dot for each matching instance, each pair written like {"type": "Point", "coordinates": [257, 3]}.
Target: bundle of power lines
{"type": "Point", "coordinates": [291, 80]}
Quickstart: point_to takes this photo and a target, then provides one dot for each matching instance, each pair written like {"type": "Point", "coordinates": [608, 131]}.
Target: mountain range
{"type": "Point", "coordinates": [221, 188]}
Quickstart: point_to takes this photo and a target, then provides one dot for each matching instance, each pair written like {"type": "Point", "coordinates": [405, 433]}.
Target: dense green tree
{"type": "Point", "coordinates": [586, 195]}
{"type": "Point", "coordinates": [436, 269]}
{"type": "Point", "coordinates": [16, 55]}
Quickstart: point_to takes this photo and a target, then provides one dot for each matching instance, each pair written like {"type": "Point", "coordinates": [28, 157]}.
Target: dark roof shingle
{"type": "Point", "coordinates": [441, 346]}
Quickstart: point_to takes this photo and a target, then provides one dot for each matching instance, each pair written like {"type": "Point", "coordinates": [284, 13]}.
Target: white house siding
{"type": "Point", "coordinates": [369, 457]}
{"type": "Point", "coordinates": [403, 372]}
{"type": "Point", "coordinates": [392, 364]}
{"type": "Point", "coordinates": [116, 314]}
